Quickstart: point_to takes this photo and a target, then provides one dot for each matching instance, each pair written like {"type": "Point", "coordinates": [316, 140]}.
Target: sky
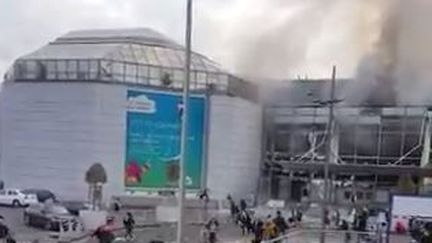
{"type": "Point", "coordinates": [262, 38]}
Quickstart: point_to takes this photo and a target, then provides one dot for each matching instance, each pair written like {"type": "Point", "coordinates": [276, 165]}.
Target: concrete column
{"type": "Point", "coordinates": [334, 145]}
{"type": "Point", "coordinates": [425, 159]}
{"type": "Point", "coordinates": [426, 143]}
{"type": "Point", "coordinates": [332, 195]}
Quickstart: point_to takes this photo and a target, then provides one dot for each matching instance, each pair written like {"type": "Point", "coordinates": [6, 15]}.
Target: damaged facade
{"type": "Point", "coordinates": [375, 142]}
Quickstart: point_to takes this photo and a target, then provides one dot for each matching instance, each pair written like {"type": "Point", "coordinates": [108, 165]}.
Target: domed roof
{"type": "Point", "coordinates": [138, 56]}
{"type": "Point", "coordinates": [138, 45]}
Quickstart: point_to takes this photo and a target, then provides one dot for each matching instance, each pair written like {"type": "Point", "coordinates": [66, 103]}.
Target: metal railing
{"type": "Point", "coordinates": [332, 236]}
{"type": "Point", "coordinates": [124, 72]}
{"type": "Point", "coordinates": [113, 71]}
{"type": "Point", "coordinates": [118, 232]}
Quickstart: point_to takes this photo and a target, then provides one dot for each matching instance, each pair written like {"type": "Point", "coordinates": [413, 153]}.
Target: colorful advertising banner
{"type": "Point", "coordinates": [153, 140]}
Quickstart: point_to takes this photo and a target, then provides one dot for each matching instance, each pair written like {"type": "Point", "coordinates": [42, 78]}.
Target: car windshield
{"type": "Point", "coordinates": [58, 210]}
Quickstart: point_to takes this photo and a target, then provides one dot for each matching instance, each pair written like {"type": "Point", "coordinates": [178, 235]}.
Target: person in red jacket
{"type": "Point", "coordinates": [400, 228]}
{"type": "Point", "coordinates": [105, 233]}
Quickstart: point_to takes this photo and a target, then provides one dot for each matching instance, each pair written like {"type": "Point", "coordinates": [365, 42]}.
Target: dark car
{"type": "Point", "coordinates": [74, 207]}
{"type": "Point", "coordinates": [41, 194]}
{"type": "Point", "coordinates": [47, 217]}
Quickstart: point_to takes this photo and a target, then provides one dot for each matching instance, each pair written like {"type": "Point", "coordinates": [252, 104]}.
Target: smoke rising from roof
{"type": "Point", "coordinates": [284, 39]}
{"type": "Point", "coordinates": [396, 68]}
{"type": "Point", "coordinates": [384, 44]}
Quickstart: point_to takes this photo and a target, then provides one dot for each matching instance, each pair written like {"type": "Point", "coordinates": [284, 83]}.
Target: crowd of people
{"type": "Point", "coordinates": [262, 229]}
{"type": "Point", "coordinates": [358, 222]}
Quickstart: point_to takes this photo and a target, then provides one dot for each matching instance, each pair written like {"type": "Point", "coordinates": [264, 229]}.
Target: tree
{"type": "Point", "coordinates": [95, 177]}
{"type": "Point", "coordinates": [406, 184]}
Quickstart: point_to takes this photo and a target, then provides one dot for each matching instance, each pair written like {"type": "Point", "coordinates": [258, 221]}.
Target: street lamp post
{"type": "Point", "coordinates": [325, 202]}
{"type": "Point", "coordinates": [184, 125]}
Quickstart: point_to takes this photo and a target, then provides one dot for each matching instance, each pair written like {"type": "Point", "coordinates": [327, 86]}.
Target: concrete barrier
{"type": "Point", "coordinates": [166, 214]}
{"type": "Point", "coordinates": [93, 219]}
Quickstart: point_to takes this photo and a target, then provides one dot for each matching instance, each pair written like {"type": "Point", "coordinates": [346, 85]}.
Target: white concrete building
{"type": "Point", "coordinates": [64, 107]}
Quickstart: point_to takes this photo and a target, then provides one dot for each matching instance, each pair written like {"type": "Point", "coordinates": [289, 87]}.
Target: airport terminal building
{"type": "Point", "coordinates": [376, 143]}
{"type": "Point", "coordinates": [114, 97]}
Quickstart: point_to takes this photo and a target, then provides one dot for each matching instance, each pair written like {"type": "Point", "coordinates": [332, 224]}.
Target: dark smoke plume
{"type": "Point", "coordinates": [397, 67]}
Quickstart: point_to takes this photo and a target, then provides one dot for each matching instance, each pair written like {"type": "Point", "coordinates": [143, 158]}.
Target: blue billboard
{"type": "Point", "coordinates": [153, 140]}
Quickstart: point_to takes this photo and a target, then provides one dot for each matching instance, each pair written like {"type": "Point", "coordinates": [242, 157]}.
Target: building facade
{"type": "Point", "coordinates": [94, 95]}
{"type": "Point", "coordinates": [374, 142]}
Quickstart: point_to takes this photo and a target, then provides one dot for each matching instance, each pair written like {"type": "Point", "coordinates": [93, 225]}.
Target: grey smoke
{"type": "Point", "coordinates": [397, 67]}
{"type": "Point", "coordinates": [275, 40]}
{"type": "Point", "coordinates": [284, 39]}
{"type": "Point", "coordinates": [383, 44]}
{"type": "Point", "coordinates": [281, 44]}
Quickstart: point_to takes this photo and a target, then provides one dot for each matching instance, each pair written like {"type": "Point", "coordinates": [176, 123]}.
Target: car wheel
{"type": "Point", "coordinates": [16, 203]}
{"type": "Point", "coordinates": [27, 220]}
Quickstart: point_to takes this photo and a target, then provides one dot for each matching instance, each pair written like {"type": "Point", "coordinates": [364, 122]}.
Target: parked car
{"type": "Point", "coordinates": [48, 217]}
{"type": "Point", "coordinates": [16, 198]}
{"type": "Point", "coordinates": [41, 194]}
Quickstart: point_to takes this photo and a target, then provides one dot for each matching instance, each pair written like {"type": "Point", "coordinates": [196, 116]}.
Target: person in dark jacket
{"type": "Point", "coordinates": [129, 224]}
{"type": "Point", "coordinates": [280, 223]}
{"type": "Point", "coordinates": [299, 216]}
{"type": "Point", "coordinates": [234, 210]}
{"type": "Point", "coordinates": [345, 227]}
{"type": "Point", "coordinates": [258, 231]}
{"type": "Point", "coordinates": [245, 222]}
{"type": "Point", "coordinates": [243, 205]}
{"type": "Point", "coordinates": [204, 195]}
{"type": "Point", "coordinates": [362, 220]}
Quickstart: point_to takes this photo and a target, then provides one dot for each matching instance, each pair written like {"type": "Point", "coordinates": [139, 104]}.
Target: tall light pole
{"type": "Point", "coordinates": [325, 202]}
{"type": "Point", "coordinates": [184, 125]}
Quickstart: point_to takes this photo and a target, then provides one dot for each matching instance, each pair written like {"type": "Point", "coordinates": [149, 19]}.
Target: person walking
{"type": "Point", "coordinates": [270, 229]}
{"type": "Point", "coordinates": [233, 208]}
{"type": "Point", "coordinates": [280, 223]}
{"type": "Point", "coordinates": [204, 195]}
{"type": "Point", "coordinates": [116, 204]}
{"type": "Point", "coordinates": [212, 226]}
{"type": "Point", "coordinates": [129, 224]}
{"type": "Point", "coordinates": [245, 222]}
{"type": "Point", "coordinates": [345, 227]}
{"type": "Point", "coordinates": [243, 205]}
{"type": "Point", "coordinates": [105, 233]}
{"type": "Point", "coordinates": [259, 231]}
